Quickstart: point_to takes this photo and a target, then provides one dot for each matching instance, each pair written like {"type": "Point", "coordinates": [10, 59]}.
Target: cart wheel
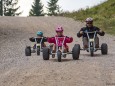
{"type": "Point", "coordinates": [28, 51]}
{"type": "Point", "coordinates": [104, 49]}
{"type": "Point", "coordinates": [76, 52]}
{"type": "Point", "coordinates": [38, 51]}
{"type": "Point", "coordinates": [59, 56]}
{"type": "Point", "coordinates": [46, 54]}
{"type": "Point", "coordinates": [92, 51]}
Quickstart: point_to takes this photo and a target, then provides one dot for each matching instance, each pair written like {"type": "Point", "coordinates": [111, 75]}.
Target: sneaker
{"type": "Point", "coordinates": [53, 55]}
{"type": "Point", "coordinates": [33, 51]}
{"type": "Point", "coordinates": [64, 55]}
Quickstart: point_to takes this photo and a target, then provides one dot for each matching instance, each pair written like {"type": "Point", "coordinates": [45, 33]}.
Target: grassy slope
{"type": "Point", "coordinates": [103, 14]}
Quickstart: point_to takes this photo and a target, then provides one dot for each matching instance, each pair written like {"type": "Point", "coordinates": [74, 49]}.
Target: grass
{"type": "Point", "coordinates": [103, 15]}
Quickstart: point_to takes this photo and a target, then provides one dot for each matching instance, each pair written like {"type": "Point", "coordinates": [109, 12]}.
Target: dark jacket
{"type": "Point", "coordinates": [89, 30]}
{"type": "Point", "coordinates": [32, 39]}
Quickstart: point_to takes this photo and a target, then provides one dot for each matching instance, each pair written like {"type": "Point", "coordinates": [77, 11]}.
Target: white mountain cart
{"type": "Point", "coordinates": [92, 46]}
{"type": "Point", "coordinates": [38, 48]}
{"type": "Point", "coordinates": [60, 50]}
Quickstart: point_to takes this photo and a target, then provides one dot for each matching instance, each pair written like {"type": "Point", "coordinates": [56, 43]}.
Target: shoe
{"type": "Point", "coordinates": [53, 55]}
{"type": "Point", "coordinates": [64, 55]}
{"type": "Point", "coordinates": [85, 46]}
{"type": "Point", "coordinates": [33, 51]}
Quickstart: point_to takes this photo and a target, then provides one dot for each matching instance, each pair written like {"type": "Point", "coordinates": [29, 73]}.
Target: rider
{"type": "Point", "coordinates": [59, 31]}
{"type": "Point", "coordinates": [39, 39]}
{"type": "Point", "coordinates": [90, 28]}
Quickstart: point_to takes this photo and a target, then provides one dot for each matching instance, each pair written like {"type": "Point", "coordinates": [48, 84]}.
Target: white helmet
{"type": "Point", "coordinates": [89, 19]}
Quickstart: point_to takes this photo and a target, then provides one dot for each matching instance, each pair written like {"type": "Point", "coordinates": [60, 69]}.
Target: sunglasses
{"type": "Point", "coordinates": [89, 23]}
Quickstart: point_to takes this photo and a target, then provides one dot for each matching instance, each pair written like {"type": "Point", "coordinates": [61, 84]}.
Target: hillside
{"type": "Point", "coordinates": [18, 70]}
{"type": "Point", "coordinates": [103, 14]}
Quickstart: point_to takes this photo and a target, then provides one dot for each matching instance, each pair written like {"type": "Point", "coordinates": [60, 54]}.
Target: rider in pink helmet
{"type": "Point", "coordinates": [59, 30]}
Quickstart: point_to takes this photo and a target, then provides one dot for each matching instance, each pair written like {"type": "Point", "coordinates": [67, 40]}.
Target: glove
{"type": "Point", "coordinates": [81, 32]}
{"type": "Point", "coordinates": [31, 38]}
{"type": "Point", "coordinates": [67, 37]}
{"type": "Point", "coordinates": [101, 31]}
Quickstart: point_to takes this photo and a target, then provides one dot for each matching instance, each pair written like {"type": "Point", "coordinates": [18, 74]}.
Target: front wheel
{"type": "Point", "coordinates": [46, 54]}
{"type": "Point", "coordinates": [92, 51]}
{"type": "Point", "coordinates": [59, 56]}
{"type": "Point", "coordinates": [38, 51]}
{"type": "Point", "coordinates": [76, 52]}
{"type": "Point", "coordinates": [104, 49]}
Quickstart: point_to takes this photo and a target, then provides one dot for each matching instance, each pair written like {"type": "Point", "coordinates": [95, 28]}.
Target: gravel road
{"type": "Point", "coordinates": [18, 70]}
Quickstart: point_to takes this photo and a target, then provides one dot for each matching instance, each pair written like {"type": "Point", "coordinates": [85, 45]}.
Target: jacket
{"type": "Point", "coordinates": [89, 30]}
{"type": "Point", "coordinates": [60, 40]}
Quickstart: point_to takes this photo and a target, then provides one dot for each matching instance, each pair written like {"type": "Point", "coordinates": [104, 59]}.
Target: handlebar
{"type": "Point", "coordinates": [37, 37]}
{"type": "Point", "coordinates": [60, 37]}
{"type": "Point", "coordinates": [91, 32]}
{"type": "Point", "coordinates": [64, 37]}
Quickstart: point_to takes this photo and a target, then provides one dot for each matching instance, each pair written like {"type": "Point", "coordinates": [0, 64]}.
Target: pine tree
{"type": "Point", "coordinates": [53, 8]}
{"type": "Point", "coordinates": [37, 9]}
{"type": "Point", "coordinates": [1, 7]}
{"type": "Point", "coordinates": [10, 8]}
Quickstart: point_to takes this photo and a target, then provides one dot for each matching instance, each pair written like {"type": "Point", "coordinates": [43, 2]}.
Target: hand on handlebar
{"type": "Point", "coordinates": [68, 37]}
{"type": "Point", "coordinates": [81, 32]}
{"type": "Point", "coordinates": [101, 31]}
{"type": "Point", "coordinates": [31, 38]}
{"type": "Point", "coordinates": [98, 32]}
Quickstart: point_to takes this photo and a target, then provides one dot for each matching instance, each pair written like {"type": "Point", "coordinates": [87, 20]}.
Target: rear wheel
{"type": "Point", "coordinates": [104, 49]}
{"type": "Point", "coordinates": [46, 54]}
{"type": "Point", "coordinates": [76, 52]}
{"type": "Point", "coordinates": [59, 56]}
{"type": "Point", "coordinates": [28, 51]}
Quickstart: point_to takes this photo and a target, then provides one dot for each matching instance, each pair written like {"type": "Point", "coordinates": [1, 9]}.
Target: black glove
{"type": "Point", "coordinates": [31, 38]}
{"type": "Point", "coordinates": [67, 37]}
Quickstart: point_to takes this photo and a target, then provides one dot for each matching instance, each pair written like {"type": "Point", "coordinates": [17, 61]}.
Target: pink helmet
{"type": "Point", "coordinates": [59, 29]}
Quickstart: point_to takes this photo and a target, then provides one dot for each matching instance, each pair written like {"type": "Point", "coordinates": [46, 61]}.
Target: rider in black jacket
{"type": "Point", "coordinates": [90, 28]}
{"type": "Point", "coordinates": [39, 39]}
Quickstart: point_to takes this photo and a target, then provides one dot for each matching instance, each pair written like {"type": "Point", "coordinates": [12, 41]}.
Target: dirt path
{"type": "Point", "coordinates": [18, 70]}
